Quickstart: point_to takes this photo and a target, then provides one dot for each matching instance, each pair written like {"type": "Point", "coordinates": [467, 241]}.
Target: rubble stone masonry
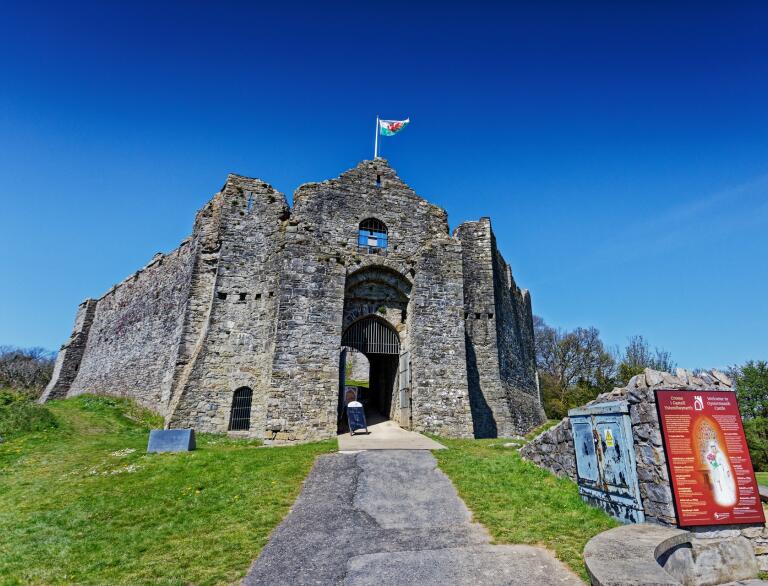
{"type": "Point", "coordinates": [261, 294]}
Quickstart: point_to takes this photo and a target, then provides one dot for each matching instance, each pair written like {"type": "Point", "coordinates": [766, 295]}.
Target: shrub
{"type": "Point", "coordinates": [19, 415]}
{"type": "Point", "coordinates": [29, 369]}
{"type": "Point", "coordinates": [756, 431]}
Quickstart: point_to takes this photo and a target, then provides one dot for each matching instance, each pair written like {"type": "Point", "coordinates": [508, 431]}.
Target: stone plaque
{"type": "Point", "coordinates": [171, 440]}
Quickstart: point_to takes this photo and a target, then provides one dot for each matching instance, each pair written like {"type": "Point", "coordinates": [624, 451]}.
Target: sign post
{"type": "Point", "coordinates": [356, 417]}
{"type": "Point", "coordinates": [712, 476]}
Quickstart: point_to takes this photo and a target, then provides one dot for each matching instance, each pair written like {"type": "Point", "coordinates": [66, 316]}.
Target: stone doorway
{"type": "Point", "coordinates": [379, 343]}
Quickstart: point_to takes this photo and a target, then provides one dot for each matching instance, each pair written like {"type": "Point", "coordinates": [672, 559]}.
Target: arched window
{"type": "Point", "coordinates": [372, 235]}
{"type": "Point", "coordinates": [240, 414]}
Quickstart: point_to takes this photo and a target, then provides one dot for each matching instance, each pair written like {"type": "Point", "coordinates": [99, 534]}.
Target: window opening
{"type": "Point", "coordinates": [240, 413]}
{"type": "Point", "coordinates": [372, 235]}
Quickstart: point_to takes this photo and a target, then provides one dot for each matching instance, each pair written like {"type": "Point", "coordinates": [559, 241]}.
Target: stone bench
{"type": "Point", "coordinates": [763, 490]}
{"type": "Point", "coordinates": [665, 556]}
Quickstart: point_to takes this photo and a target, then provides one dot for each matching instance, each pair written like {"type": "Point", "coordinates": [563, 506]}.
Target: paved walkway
{"type": "Point", "coordinates": [386, 435]}
{"type": "Point", "coordinates": [391, 517]}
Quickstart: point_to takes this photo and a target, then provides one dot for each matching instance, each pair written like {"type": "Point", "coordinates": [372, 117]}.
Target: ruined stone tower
{"type": "Point", "coordinates": [241, 327]}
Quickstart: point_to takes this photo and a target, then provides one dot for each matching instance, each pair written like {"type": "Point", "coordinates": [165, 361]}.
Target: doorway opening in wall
{"type": "Point", "coordinates": [368, 368]}
{"type": "Point", "coordinates": [240, 412]}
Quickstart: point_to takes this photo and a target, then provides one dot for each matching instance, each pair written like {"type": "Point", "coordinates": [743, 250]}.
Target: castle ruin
{"type": "Point", "coordinates": [243, 326]}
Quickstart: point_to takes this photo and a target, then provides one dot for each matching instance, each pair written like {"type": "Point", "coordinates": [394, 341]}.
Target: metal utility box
{"type": "Point", "coordinates": [605, 459]}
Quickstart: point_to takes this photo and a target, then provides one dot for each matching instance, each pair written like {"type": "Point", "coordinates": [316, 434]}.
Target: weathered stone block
{"type": "Point", "coordinates": [171, 440]}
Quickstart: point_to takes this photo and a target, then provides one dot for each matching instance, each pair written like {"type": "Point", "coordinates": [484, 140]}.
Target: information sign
{"type": "Point", "coordinates": [712, 476]}
{"type": "Point", "coordinates": [356, 417]}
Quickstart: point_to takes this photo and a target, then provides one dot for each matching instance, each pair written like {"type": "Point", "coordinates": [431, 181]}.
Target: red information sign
{"type": "Point", "coordinates": [712, 476]}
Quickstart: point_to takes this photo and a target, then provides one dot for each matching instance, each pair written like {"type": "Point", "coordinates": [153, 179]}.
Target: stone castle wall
{"type": "Point", "coordinates": [438, 352]}
{"type": "Point", "coordinates": [499, 338]}
{"type": "Point", "coordinates": [259, 297]}
{"type": "Point", "coordinates": [71, 353]}
{"type": "Point", "coordinates": [134, 332]}
{"type": "Point", "coordinates": [321, 256]}
{"type": "Point", "coordinates": [236, 346]}
{"type": "Point", "coordinates": [357, 365]}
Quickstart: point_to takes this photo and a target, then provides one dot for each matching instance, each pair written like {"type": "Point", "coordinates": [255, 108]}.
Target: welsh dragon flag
{"type": "Point", "coordinates": [392, 127]}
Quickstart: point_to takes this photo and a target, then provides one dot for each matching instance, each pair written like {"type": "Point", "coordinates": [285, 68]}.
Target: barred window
{"type": "Point", "coordinates": [240, 414]}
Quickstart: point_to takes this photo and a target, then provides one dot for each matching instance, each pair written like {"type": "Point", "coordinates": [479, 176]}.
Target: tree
{"type": "Point", "coordinates": [752, 388]}
{"type": "Point", "coordinates": [27, 369]}
{"type": "Point", "coordinates": [756, 432]}
{"type": "Point", "coordinates": [574, 366]}
{"type": "Point", "coordinates": [638, 356]}
{"type": "Point", "coordinates": [752, 391]}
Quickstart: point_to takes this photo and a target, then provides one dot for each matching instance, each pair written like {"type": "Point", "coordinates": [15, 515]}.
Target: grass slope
{"type": "Point", "coordinates": [519, 502]}
{"type": "Point", "coordinates": [762, 478]}
{"type": "Point", "coordinates": [85, 503]}
{"type": "Point", "coordinates": [19, 415]}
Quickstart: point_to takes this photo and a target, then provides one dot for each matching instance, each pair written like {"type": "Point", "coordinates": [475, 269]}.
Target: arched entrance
{"type": "Point", "coordinates": [380, 343]}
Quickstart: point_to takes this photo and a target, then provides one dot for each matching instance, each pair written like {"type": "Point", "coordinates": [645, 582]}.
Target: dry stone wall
{"type": "Point", "coordinates": [554, 449]}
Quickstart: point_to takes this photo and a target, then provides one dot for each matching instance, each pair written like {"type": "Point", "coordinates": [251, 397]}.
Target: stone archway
{"type": "Point", "coordinates": [379, 290]}
{"type": "Point", "coordinates": [380, 343]}
{"type": "Point", "coordinates": [375, 322]}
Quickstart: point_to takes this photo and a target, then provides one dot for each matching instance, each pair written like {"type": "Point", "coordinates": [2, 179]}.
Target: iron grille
{"type": "Point", "coordinates": [240, 414]}
{"type": "Point", "coordinates": [372, 335]}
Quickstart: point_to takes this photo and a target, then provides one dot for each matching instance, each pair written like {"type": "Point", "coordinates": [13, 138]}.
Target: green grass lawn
{"type": "Point", "coordinates": [519, 502]}
{"type": "Point", "coordinates": [762, 478]}
{"type": "Point", "coordinates": [85, 503]}
{"type": "Point", "coordinates": [357, 383]}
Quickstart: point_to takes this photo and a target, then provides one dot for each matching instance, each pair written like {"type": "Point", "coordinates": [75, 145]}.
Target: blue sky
{"type": "Point", "coordinates": [621, 149]}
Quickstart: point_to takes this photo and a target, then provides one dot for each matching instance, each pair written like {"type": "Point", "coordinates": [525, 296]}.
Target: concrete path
{"type": "Point", "coordinates": [391, 517]}
{"type": "Point", "coordinates": [386, 435]}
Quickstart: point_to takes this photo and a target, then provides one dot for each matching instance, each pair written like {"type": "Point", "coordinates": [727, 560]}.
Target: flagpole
{"type": "Point", "coordinates": [376, 140]}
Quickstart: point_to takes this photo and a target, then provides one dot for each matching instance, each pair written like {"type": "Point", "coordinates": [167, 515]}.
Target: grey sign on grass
{"type": "Point", "coordinates": [171, 440]}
